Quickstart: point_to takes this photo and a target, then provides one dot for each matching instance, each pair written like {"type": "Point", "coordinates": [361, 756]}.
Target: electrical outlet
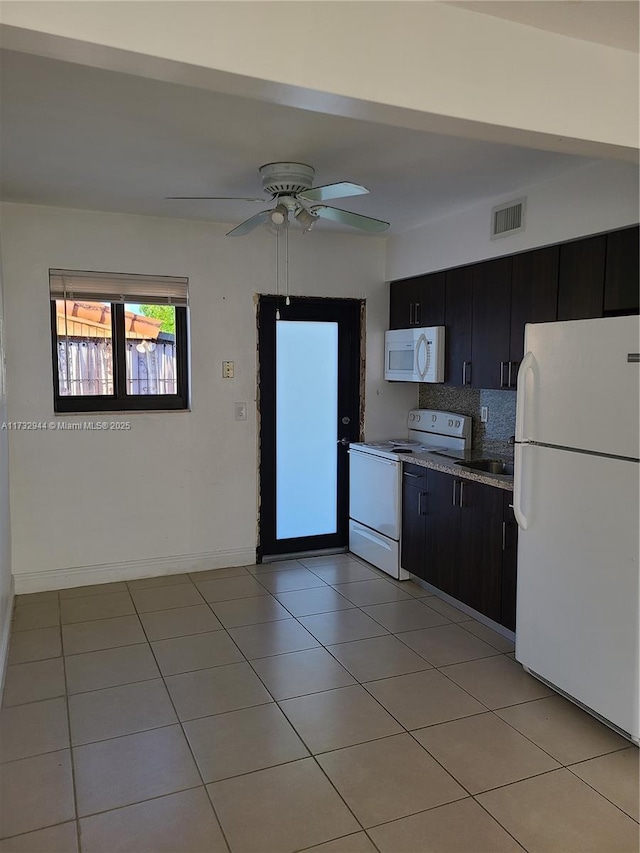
{"type": "Point", "coordinates": [227, 370]}
{"type": "Point", "coordinates": [484, 414]}
{"type": "Point", "coordinates": [240, 411]}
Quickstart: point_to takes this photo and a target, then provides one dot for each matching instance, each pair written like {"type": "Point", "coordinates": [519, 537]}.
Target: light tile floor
{"type": "Point", "coordinates": [299, 705]}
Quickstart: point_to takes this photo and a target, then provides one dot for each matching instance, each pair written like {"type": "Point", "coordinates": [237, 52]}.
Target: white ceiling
{"type": "Point", "coordinates": [610, 22]}
{"type": "Point", "coordinates": [75, 136]}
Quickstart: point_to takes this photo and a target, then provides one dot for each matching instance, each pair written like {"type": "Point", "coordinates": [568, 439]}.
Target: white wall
{"type": "Point", "coordinates": [6, 586]}
{"type": "Point", "coordinates": [431, 66]}
{"type": "Point", "coordinates": [598, 197]}
{"type": "Point", "coordinates": [178, 485]}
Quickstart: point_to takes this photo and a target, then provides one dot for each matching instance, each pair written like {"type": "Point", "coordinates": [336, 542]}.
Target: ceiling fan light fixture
{"type": "Point", "coordinates": [279, 216]}
{"type": "Point", "coordinates": [290, 187]}
{"type": "Point", "coordinates": [306, 219]}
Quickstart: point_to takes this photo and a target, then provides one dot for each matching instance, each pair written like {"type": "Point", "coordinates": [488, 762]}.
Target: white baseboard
{"type": "Point", "coordinates": [107, 572]}
{"type": "Point", "coordinates": [5, 636]}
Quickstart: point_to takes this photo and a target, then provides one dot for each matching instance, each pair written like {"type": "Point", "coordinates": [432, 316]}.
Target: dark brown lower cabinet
{"type": "Point", "coordinates": [480, 548]}
{"type": "Point", "coordinates": [509, 563]}
{"type": "Point", "coordinates": [414, 506]}
{"type": "Point", "coordinates": [460, 536]}
{"type": "Point", "coordinates": [442, 530]}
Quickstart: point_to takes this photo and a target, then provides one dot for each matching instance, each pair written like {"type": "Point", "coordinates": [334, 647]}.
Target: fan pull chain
{"type": "Point", "coordinates": [287, 301]}
{"type": "Point", "coordinates": [277, 273]}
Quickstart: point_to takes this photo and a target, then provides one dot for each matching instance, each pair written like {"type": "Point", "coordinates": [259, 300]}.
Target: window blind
{"type": "Point", "coordinates": [118, 287]}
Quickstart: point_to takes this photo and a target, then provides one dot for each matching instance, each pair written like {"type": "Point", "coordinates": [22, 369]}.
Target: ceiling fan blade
{"type": "Point", "coordinates": [331, 191]}
{"type": "Point", "coordinates": [345, 217]}
{"type": "Point", "coordinates": [213, 198]}
{"type": "Point", "coordinates": [249, 224]}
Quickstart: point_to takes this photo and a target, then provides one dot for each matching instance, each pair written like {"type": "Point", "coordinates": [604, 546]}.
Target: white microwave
{"type": "Point", "coordinates": [414, 355]}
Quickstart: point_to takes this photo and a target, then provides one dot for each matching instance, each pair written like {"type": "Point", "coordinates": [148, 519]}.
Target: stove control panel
{"type": "Point", "coordinates": [442, 423]}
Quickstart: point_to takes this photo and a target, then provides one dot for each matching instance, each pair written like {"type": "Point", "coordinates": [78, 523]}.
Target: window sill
{"type": "Point", "coordinates": [119, 414]}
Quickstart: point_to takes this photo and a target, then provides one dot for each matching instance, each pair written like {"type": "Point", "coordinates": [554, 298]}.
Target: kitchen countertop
{"type": "Point", "coordinates": [449, 466]}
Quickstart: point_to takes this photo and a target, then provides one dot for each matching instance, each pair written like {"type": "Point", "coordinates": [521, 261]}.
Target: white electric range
{"type": "Point", "coordinates": [375, 483]}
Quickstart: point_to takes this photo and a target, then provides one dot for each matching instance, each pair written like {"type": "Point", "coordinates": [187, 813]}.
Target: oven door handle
{"type": "Point", "coordinates": [373, 457]}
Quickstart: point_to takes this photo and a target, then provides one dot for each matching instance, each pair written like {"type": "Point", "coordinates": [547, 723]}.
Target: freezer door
{"type": "Point", "coordinates": [578, 587]}
{"type": "Point", "coordinates": [578, 388]}
{"type": "Point", "coordinates": [374, 492]}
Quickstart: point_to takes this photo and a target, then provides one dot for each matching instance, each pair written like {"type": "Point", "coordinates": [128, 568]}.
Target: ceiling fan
{"type": "Point", "coordinates": [290, 187]}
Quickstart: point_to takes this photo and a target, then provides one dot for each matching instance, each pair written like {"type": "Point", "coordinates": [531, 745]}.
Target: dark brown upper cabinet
{"type": "Point", "coordinates": [457, 321]}
{"type": "Point", "coordinates": [491, 324]}
{"type": "Point", "coordinates": [621, 278]}
{"type": "Point", "coordinates": [581, 278]}
{"type": "Point", "coordinates": [534, 296]}
{"type": "Point", "coordinates": [417, 302]}
{"type": "Point", "coordinates": [485, 306]}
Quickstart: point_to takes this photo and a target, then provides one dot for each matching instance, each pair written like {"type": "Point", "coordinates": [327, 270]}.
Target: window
{"type": "Point", "coordinates": [119, 341]}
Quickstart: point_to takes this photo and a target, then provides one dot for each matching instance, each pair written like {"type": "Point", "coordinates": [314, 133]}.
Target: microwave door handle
{"type": "Point", "coordinates": [422, 343]}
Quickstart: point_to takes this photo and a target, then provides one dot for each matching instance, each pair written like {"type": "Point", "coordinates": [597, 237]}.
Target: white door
{"type": "Point", "coordinates": [577, 388]}
{"type": "Point", "coordinates": [374, 492]}
{"type": "Point", "coordinates": [578, 587]}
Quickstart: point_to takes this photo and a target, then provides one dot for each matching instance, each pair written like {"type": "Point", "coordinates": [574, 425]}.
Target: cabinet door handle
{"type": "Point", "coordinates": [504, 535]}
{"type": "Point", "coordinates": [453, 499]}
{"type": "Point", "coordinates": [513, 377]}
{"type": "Point", "coordinates": [420, 496]}
{"type": "Point", "coordinates": [509, 376]}
{"type": "Point", "coordinates": [465, 365]}
{"type": "Point", "coordinates": [411, 313]}
{"type": "Point", "coordinates": [461, 499]}
{"type": "Point", "coordinates": [502, 382]}
{"type": "Point", "coordinates": [418, 314]}
{"type": "Point", "coordinates": [413, 476]}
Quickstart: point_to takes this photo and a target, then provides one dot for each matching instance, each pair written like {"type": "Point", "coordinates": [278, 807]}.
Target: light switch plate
{"type": "Point", "coordinates": [484, 414]}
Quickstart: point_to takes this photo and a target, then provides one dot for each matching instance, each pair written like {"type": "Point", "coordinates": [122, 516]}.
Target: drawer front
{"type": "Point", "coordinates": [414, 475]}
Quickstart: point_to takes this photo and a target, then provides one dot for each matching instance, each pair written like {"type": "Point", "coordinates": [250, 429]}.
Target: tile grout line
{"type": "Point", "coordinates": [73, 788]}
{"type": "Point", "coordinates": [71, 754]}
{"type": "Point", "coordinates": [410, 733]}
{"type": "Point", "coordinates": [570, 766]}
{"type": "Point", "coordinates": [493, 817]}
{"type": "Point", "coordinates": [361, 684]}
{"type": "Point", "coordinates": [311, 755]}
{"type": "Point", "coordinates": [275, 701]}
{"type": "Point", "coordinates": [333, 840]}
{"type": "Point", "coordinates": [186, 739]}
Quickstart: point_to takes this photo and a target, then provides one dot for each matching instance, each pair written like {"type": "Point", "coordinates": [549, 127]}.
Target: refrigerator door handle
{"type": "Point", "coordinates": [527, 363]}
{"type": "Point", "coordinates": [521, 518]}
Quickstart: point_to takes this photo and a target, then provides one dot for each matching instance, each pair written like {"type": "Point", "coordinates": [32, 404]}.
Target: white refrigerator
{"type": "Point", "coordinates": [576, 492]}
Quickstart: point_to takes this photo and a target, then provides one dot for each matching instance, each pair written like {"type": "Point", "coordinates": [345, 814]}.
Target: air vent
{"type": "Point", "coordinates": [507, 219]}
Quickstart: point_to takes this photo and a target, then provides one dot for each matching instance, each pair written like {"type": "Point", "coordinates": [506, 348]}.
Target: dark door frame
{"type": "Point", "coordinates": [347, 313]}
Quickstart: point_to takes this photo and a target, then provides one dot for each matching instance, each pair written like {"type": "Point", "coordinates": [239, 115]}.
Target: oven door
{"type": "Point", "coordinates": [374, 492]}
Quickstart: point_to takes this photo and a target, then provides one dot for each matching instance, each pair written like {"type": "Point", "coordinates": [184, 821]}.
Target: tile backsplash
{"type": "Point", "coordinates": [492, 437]}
